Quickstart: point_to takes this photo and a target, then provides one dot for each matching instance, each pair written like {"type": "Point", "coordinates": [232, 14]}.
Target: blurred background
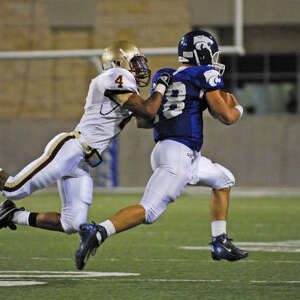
{"type": "Point", "coordinates": [42, 97]}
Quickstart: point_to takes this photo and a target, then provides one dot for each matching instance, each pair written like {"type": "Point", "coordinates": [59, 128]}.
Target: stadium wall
{"type": "Point", "coordinates": [41, 98]}
{"type": "Point", "coordinates": [57, 88]}
{"type": "Point", "coordinates": [260, 150]}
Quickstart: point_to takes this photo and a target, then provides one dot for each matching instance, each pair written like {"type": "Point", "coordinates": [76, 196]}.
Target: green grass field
{"type": "Point", "coordinates": [163, 269]}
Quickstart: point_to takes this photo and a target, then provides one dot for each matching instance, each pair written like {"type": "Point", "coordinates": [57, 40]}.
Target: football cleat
{"type": "Point", "coordinates": [223, 248]}
{"type": "Point", "coordinates": [89, 243]}
{"type": "Point", "coordinates": [7, 210]}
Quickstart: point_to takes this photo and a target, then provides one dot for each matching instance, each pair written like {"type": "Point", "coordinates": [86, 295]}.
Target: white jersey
{"type": "Point", "coordinates": [103, 119]}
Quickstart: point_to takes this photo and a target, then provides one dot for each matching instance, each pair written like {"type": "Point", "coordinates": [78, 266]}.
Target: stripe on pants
{"type": "Point", "coordinates": [49, 156]}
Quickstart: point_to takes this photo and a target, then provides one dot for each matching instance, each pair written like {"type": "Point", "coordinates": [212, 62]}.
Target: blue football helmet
{"type": "Point", "coordinates": [200, 48]}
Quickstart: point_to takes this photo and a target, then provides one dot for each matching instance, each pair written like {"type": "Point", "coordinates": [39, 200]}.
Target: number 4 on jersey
{"type": "Point", "coordinates": [119, 81]}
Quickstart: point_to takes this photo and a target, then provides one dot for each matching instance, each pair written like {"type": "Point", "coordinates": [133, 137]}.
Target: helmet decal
{"type": "Point", "coordinates": [202, 42]}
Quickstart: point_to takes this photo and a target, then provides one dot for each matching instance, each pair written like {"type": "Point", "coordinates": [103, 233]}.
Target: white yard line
{"type": "Point", "coordinates": [20, 283]}
{"type": "Point", "coordinates": [283, 281]}
{"type": "Point", "coordinates": [47, 258]}
{"type": "Point", "coordinates": [195, 280]}
{"type": "Point", "coordinates": [94, 275]}
{"type": "Point", "coordinates": [175, 280]}
{"type": "Point", "coordinates": [61, 274]}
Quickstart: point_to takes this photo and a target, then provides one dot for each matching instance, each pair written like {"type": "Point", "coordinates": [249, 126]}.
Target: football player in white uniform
{"type": "Point", "coordinates": [113, 98]}
{"type": "Point", "coordinates": [176, 159]}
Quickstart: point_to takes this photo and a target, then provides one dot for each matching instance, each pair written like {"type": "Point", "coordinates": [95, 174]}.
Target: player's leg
{"type": "Point", "coordinates": [92, 235]}
{"type": "Point", "coordinates": [220, 179]}
{"type": "Point", "coordinates": [10, 216]}
{"type": "Point", "coordinates": [76, 196]}
{"type": "Point", "coordinates": [219, 204]}
{"type": "Point", "coordinates": [171, 162]}
{"type": "Point", "coordinates": [127, 218]}
{"type": "Point", "coordinates": [61, 156]}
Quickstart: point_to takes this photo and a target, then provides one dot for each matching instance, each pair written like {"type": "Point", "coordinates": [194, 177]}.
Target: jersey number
{"type": "Point", "coordinates": [119, 81]}
{"type": "Point", "coordinates": [175, 101]}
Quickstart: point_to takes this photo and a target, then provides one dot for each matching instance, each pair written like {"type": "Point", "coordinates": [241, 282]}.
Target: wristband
{"type": "Point", "coordinates": [240, 109]}
{"type": "Point", "coordinates": [160, 88]}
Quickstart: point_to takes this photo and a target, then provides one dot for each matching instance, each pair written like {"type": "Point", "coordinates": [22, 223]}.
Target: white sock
{"type": "Point", "coordinates": [218, 227]}
{"type": "Point", "coordinates": [110, 229]}
{"type": "Point", "coordinates": [21, 217]}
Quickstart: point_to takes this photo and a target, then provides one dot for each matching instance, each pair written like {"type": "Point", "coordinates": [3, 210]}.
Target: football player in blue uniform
{"type": "Point", "coordinates": [176, 158]}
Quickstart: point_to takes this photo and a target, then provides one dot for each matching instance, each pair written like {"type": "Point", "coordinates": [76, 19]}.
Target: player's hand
{"type": "Point", "coordinates": [163, 82]}
{"type": "Point", "coordinates": [229, 98]}
{"type": "Point", "coordinates": [165, 78]}
{"type": "Point", "coordinates": [234, 100]}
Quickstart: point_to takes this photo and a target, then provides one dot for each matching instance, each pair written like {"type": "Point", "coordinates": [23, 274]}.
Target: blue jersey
{"type": "Point", "coordinates": [180, 115]}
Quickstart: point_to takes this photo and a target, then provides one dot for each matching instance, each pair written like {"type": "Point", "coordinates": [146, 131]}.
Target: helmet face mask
{"type": "Point", "coordinates": [126, 55]}
{"type": "Point", "coordinates": [200, 48]}
{"type": "Point", "coordinates": [215, 63]}
{"type": "Point", "coordinates": [140, 70]}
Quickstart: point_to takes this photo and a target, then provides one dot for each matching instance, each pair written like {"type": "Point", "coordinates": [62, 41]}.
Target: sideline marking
{"type": "Point", "coordinates": [198, 280]}
{"type": "Point", "coordinates": [7, 283]}
{"type": "Point", "coordinates": [264, 281]}
{"type": "Point", "coordinates": [61, 274]}
{"type": "Point", "coordinates": [20, 283]}
{"type": "Point", "coordinates": [292, 246]}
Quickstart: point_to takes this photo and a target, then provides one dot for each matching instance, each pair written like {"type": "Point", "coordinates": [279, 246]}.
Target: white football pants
{"type": "Point", "coordinates": [175, 165]}
{"type": "Point", "coordinates": [62, 162]}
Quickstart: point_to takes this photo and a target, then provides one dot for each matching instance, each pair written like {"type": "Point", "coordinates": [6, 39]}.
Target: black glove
{"type": "Point", "coordinates": [9, 224]}
{"type": "Point", "coordinates": [12, 226]}
{"type": "Point", "coordinates": [163, 82]}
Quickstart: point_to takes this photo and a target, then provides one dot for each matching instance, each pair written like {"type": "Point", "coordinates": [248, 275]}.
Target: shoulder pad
{"type": "Point", "coordinates": [119, 78]}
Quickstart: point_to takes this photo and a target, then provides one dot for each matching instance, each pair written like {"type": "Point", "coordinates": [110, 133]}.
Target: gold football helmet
{"type": "Point", "coordinates": [128, 56]}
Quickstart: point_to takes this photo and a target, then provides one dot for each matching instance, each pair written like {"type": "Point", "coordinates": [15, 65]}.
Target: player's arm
{"type": "Point", "coordinates": [224, 106]}
{"type": "Point", "coordinates": [132, 101]}
{"type": "Point", "coordinates": [146, 109]}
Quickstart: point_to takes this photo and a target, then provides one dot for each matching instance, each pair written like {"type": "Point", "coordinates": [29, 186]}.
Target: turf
{"type": "Point", "coordinates": [166, 270]}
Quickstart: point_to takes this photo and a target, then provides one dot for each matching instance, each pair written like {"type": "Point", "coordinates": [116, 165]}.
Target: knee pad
{"type": "Point", "coordinates": [154, 208]}
{"type": "Point", "coordinates": [152, 214]}
{"type": "Point", "coordinates": [225, 180]}
{"type": "Point", "coordinates": [70, 223]}
{"type": "Point", "coordinates": [68, 227]}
